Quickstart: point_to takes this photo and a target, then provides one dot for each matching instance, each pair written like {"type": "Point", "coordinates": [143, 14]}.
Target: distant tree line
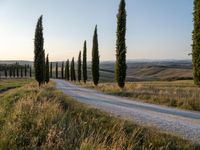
{"type": "Point", "coordinates": [16, 71]}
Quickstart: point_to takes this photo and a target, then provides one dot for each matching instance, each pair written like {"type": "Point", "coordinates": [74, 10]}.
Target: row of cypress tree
{"type": "Point", "coordinates": [68, 71]}
{"type": "Point", "coordinates": [42, 69]}
{"type": "Point", "coordinates": [18, 71]}
{"type": "Point", "coordinates": [82, 64]}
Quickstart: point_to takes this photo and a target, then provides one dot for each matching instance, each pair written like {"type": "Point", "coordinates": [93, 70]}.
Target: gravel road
{"type": "Point", "coordinates": [182, 123]}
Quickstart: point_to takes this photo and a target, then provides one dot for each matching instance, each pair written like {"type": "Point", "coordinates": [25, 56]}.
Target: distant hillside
{"type": "Point", "coordinates": [21, 62]}
{"type": "Point", "coordinates": [140, 70]}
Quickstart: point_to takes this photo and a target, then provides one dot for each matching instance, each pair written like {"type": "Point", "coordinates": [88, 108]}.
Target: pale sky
{"type": "Point", "coordinates": [156, 29]}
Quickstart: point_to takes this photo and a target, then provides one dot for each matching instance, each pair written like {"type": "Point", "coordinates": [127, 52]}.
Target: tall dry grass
{"type": "Point", "coordinates": [33, 118]}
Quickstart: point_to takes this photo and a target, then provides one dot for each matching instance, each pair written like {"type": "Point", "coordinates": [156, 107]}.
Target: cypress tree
{"type": "Point", "coordinates": [47, 69]}
{"type": "Point", "coordinates": [43, 64]}
{"type": "Point", "coordinates": [30, 72]}
{"type": "Point", "coordinates": [17, 67]}
{"type": "Point", "coordinates": [21, 72]}
{"type": "Point", "coordinates": [95, 58]}
{"type": "Point", "coordinates": [79, 67]}
{"type": "Point", "coordinates": [120, 66]}
{"type": "Point", "coordinates": [56, 70]}
{"type": "Point", "coordinates": [196, 43]}
{"type": "Point", "coordinates": [14, 71]}
{"type": "Point", "coordinates": [39, 57]}
{"type": "Point", "coordinates": [73, 73]}
{"type": "Point", "coordinates": [62, 70]}
{"type": "Point", "coordinates": [71, 70]}
{"type": "Point", "coordinates": [25, 70]}
{"type": "Point", "coordinates": [10, 71]}
{"type": "Point", "coordinates": [51, 70]}
{"type": "Point", "coordinates": [67, 70]}
{"type": "Point", "coordinates": [5, 71]}
{"type": "Point", "coordinates": [85, 62]}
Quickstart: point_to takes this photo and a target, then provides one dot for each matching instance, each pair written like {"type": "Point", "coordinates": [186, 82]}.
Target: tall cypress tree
{"type": "Point", "coordinates": [47, 69]}
{"type": "Point", "coordinates": [51, 70]}
{"type": "Point", "coordinates": [73, 73]}
{"type": "Point", "coordinates": [21, 72]}
{"type": "Point", "coordinates": [67, 70]}
{"type": "Point", "coordinates": [196, 43]}
{"type": "Point", "coordinates": [95, 58]}
{"type": "Point", "coordinates": [79, 66]}
{"type": "Point", "coordinates": [85, 62]}
{"type": "Point", "coordinates": [120, 66]}
{"type": "Point", "coordinates": [39, 56]}
{"type": "Point", "coordinates": [17, 67]}
{"type": "Point", "coordinates": [56, 70]}
{"type": "Point", "coordinates": [25, 70]}
{"type": "Point", "coordinates": [30, 72]}
{"type": "Point", "coordinates": [71, 70]}
{"type": "Point", "coordinates": [10, 71]}
{"type": "Point", "coordinates": [5, 72]}
{"type": "Point", "coordinates": [14, 71]}
{"type": "Point", "coordinates": [43, 63]}
{"type": "Point", "coordinates": [62, 70]}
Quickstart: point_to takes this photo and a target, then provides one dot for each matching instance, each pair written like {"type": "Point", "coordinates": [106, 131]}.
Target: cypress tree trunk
{"type": "Point", "coordinates": [56, 70]}
{"type": "Point", "coordinates": [47, 70]}
{"type": "Point", "coordinates": [196, 43]}
{"type": "Point", "coordinates": [51, 70]}
{"type": "Point", "coordinates": [79, 67]}
{"type": "Point", "coordinates": [67, 70]}
{"type": "Point", "coordinates": [62, 70]}
{"type": "Point", "coordinates": [95, 58]}
{"type": "Point", "coordinates": [85, 62]}
{"type": "Point", "coordinates": [120, 66]}
{"type": "Point", "coordinates": [39, 54]}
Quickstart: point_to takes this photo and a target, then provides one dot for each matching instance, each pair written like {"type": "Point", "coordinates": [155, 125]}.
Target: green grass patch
{"type": "Point", "coordinates": [6, 84]}
{"type": "Point", "coordinates": [180, 94]}
{"type": "Point", "coordinates": [43, 118]}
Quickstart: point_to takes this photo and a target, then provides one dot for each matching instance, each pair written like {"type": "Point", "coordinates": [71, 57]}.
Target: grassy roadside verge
{"type": "Point", "coordinates": [6, 84]}
{"type": "Point", "coordinates": [180, 94]}
{"type": "Point", "coordinates": [33, 118]}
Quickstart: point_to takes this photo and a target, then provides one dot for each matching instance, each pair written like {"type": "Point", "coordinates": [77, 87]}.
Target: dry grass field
{"type": "Point", "coordinates": [181, 94]}
{"type": "Point", "coordinates": [33, 118]}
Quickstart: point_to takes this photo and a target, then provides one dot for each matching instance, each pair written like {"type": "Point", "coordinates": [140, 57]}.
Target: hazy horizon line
{"type": "Point", "coordinates": [128, 60]}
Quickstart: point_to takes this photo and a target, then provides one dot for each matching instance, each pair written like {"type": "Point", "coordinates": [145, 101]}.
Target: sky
{"type": "Point", "coordinates": [156, 29]}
